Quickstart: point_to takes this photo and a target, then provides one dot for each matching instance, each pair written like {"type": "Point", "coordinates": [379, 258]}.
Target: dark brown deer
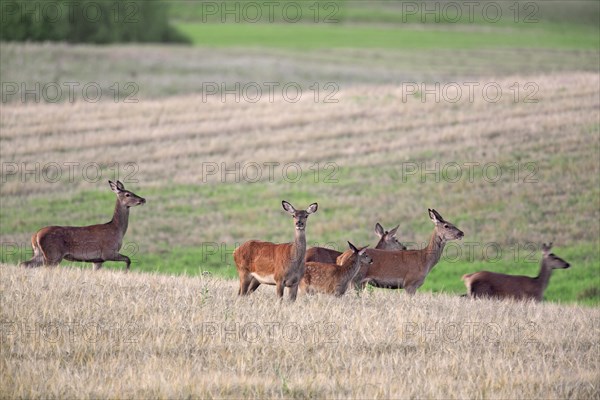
{"type": "Point", "coordinates": [387, 241]}
{"type": "Point", "coordinates": [407, 269]}
{"type": "Point", "coordinates": [275, 264]}
{"type": "Point", "coordinates": [493, 284]}
{"type": "Point", "coordinates": [94, 243]}
{"type": "Point", "coordinates": [334, 278]}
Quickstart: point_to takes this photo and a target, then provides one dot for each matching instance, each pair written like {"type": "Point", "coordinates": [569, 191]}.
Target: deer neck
{"type": "Point", "coordinates": [120, 218]}
{"type": "Point", "coordinates": [433, 251]}
{"type": "Point", "coordinates": [350, 267]}
{"type": "Point", "coordinates": [544, 276]}
{"type": "Point", "coordinates": [299, 246]}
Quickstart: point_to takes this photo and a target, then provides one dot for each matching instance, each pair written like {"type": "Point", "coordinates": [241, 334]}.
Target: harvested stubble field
{"type": "Point", "coordinates": [377, 154]}
{"type": "Point", "coordinates": [70, 333]}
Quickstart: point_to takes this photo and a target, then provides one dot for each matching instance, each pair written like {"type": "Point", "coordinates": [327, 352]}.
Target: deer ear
{"type": "Point", "coordinates": [393, 231]}
{"type": "Point", "coordinates": [546, 248]}
{"type": "Point", "coordinates": [120, 185]}
{"type": "Point", "coordinates": [114, 186]}
{"type": "Point", "coordinates": [362, 250]}
{"type": "Point", "coordinates": [379, 230]}
{"type": "Point", "coordinates": [352, 247]}
{"type": "Point", "coordinates": [312, 208]}
{"type": "Point", "coordinates": [435, 216]}
{"type": "Point", "coordinates": [288, 207]}
{"type": "Point", "coordinates": [432, 216]}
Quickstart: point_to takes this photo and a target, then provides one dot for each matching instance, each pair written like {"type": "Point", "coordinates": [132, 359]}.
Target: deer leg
{"type": "Point", "coordinates": [52, 261]}
{"type": "Point", "coordinates": [51, 257]}
{"type": "Point", "coordinates": [245, 280]}
{"type": "Point", "coordinates": [360, 286]}
{"type": "Point", "coordinates": [280, 288]}
{"type": "Point", "coordinates": [37, 259]}
{"type": "Point", "coordinates": [293, 292]}
{"type": "Point", "coordinates": [51, 251]}
{"type": "Point", "coordinates": [120, 257]}
{"type": "Point", "coordinates": [97, 266]}
{"type": "Point", "coordinates": [411, 290]}
{"type": "Point", "coordinates": [254, 284]}
{"type": "Point", "coordinates": [480, 289]}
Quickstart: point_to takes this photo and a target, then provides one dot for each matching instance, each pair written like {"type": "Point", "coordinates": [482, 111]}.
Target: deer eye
{"type": "Point", "coordinates": [127, 194]}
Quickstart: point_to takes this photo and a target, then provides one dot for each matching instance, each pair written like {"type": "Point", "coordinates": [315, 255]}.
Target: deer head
{"type": "Point", "coordinates": [444, 229]}
{"type": "Point", "coordinates": [125, 197]}
{"type": "Point", "coordinates": [551, 260]}
{"type": "Point", "coordinates": [364, 258]}
{"type": "Point", "coordinates": [387, 239]}
{"type": "Point", "coordinates": [300, 216]}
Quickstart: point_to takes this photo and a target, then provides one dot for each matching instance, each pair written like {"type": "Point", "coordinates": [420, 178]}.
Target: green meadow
{"type": "Point", "coordinates": [332, 36]}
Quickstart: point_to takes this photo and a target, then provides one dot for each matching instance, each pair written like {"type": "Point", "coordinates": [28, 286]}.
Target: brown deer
{"type": "Point", "coordinates": [94, 243]}
{"type": "Point", "coordinates": [492, 284]}
{"type": "Point", "coordinates": [407, 269]}
{"type": "Point", "coordinates": [387, 241]}
{"type": "Point", "coordinates": [334, 278]}
{"type": "Point", "coordinates": [275, 264]}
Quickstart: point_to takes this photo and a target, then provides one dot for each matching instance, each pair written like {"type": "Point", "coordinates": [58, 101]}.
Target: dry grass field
{"type": "Point", "coordinates": [73, 333]}
{"type": "Point", "coordinates": [379, 134]}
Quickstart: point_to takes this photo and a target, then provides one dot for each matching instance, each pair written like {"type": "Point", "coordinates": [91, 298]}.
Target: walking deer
{"type": "Point", "coordinates": [387, 241]}
{"type": "Point", "coordinates": [94, 243]}
{"type": "Point", "coordinates": [275, 264]}
{"type": "Point", "coordinates": [334, 278]}
{"type": "Point", "coordinates": [492, 284]}
{"type": "Point", "coordinates": [407, 269]}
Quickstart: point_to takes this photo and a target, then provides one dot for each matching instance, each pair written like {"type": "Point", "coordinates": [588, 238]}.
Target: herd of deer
{"type": "Point", "coordinates": [388, 265]}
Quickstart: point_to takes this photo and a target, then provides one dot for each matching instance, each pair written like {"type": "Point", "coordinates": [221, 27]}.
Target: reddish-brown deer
{"type": "Point", "coordinates": [94, 243]}
{"type": "Point", "coordinates": [407, 269]}
{"type": "Point", "coordinates": [275, 264]}
{"type": "Point", "coordinates": [387, 241]}
{"type": "Point", "coordinates": [334, 278]}
{"type": "Point", "coordinates": [496, 285]}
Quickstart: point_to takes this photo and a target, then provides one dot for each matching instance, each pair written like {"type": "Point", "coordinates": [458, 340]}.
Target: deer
{"type": "Point", "coordinates": [93, 243]}
{"type": "Point", "coordinates": [387, 241]}
{"type": "Point", "coordinates": [334, 278]}
{"type": "Point", "coordinates": [268, 263]}
{"type": "Point", "coordinates": [501, 286]}
{"type": "Point", "coordinates": [407, 269]}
